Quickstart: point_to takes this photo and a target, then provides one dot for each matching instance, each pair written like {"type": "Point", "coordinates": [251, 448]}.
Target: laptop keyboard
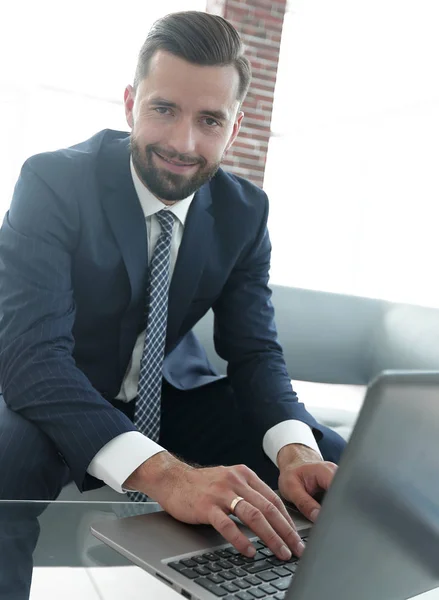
{"type": "Point", "coordinates": [228, 574]}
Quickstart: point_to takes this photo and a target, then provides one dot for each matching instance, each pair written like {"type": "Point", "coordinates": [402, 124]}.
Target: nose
{"type": "Point", "coordinates": [181, 137]}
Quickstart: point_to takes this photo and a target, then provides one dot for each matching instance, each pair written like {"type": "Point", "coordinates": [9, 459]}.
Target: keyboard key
{"type": "Point", "coordinates": [238, 572]}
{"type": "Point", "coordinates": [244, 596]}
{"type": "Point", "coordinates": [252, 580]}
{"type": "Point", "coordinates": [241, 583]}
{"type": "Point", "coordinates": [189, 563]}
{"type": "Point", "coordinates": [257, 593]}
{"type": "Point", "coordinates": [223, 553]}
{"type": "Point", "coordinates": [213, 567]}
{"type": "Point", "coordinates": [268, 576]}
{"type": "Point", "coordinates": [276, 562]}
{"type": "Point", "coordinates": [231, 587]}
{"type": "Point", "coordinates": [234, 551]}
{"type": "Point", "coordinates": [258, 545]}
{"type": "Point", "coordinates": [224, 564]}
{"type": "Point", "coordinates": [281, 571]}
{"type": "Point", "coordinates": [203, 571]}
{"type": "Point", "coordinates": [266, 552]}
{"type": "Point", "coordinates": [256, 567]}
{"type": "Point", "coordinates": [280, 596]}
{"type": "Point", "coordinates": [190, 573]}
{"type": "Point", "coordinates": [210, 556]}
{"type": "Point", "coordinates": [291, 567]}
{"type": "Point", "coordinates": [257, 556]}
{"type": "Point", "coordinates": [282, 584]}
{"type": "Point", "coordinates": [237, 561]}
{"type": "Point", "coordinates": [212, 587]}
{"type": "Point", "coordinates": [228, 575]}
{"type": "Point", "coordinates": [267, 588]}
{"type": "Point", "coordinates": [200, 560]}
{"type": "Point", "coordinates": [178, 566]}
{"type": "Point", "coordinates": [216, 578]}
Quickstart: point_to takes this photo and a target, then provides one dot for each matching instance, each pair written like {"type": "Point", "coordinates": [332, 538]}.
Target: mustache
{"type": "Point", "coordinates": [183, 158]}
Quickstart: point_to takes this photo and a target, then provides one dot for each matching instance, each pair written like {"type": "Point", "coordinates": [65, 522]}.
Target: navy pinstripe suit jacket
{"type": "Point", "coordinates": [73, 268]}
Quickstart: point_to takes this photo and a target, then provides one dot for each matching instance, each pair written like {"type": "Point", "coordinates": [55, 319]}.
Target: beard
{"type": "Point", "coordinates": [164, 184]}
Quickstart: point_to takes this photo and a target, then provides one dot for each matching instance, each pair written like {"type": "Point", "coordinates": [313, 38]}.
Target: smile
{"type": "Point", "coordinates": [178, 165]}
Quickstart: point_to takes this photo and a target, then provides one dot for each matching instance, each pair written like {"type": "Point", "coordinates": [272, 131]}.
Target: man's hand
{"type": "Point", "coordinates": [303, 475]}
{"type": "Point", "coordinates": [204, 495]}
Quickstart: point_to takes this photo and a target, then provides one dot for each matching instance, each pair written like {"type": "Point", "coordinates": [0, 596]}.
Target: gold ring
{"type": "Point", "coordinates": [234, 503]}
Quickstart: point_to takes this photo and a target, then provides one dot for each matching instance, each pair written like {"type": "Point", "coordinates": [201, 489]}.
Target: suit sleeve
{"type": "Point", "coordinates": [245, 336]}
{"type": "Point", "coordinates": [38, 375]}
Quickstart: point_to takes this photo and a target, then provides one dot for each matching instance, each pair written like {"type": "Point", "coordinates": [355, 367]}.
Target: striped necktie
{"type": "Point", "coordinates": [147, 410]}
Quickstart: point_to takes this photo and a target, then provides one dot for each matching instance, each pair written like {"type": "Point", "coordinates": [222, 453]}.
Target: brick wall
{"type": "Point", "coordinates": [259, 23]}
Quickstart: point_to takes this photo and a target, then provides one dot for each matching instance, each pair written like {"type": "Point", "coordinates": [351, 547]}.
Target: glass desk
{"type": "Point", "coordinates": [70, 563]}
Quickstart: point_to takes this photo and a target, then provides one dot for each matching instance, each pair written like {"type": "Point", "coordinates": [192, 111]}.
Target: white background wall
{"type": "Point", "coordinates": [353, 171]}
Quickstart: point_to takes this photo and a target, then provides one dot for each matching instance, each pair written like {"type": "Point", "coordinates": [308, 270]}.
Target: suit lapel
{"type": "Point", "coordinates": [127, 222]}
{"type": "Point", "coordinates": [192, 255]}
{"type": "Point", "coordinates": [125, 215]}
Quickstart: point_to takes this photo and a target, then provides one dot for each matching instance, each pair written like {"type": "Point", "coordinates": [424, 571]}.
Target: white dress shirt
{"type": "Point", "coordinates": [120, 457]}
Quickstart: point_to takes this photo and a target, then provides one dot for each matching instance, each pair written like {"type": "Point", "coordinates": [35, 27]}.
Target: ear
{"type": "Point", "coordinates": [128, 98]}
{"type": "Point", "coordinates": [236, 128]}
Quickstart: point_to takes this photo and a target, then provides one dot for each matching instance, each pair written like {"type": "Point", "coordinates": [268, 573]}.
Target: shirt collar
{"type": "Point", "coordinates": [151, 205]}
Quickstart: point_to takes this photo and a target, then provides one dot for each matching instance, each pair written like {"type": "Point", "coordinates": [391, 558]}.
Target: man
{"type": "Point", "coordinates": [97, 388]}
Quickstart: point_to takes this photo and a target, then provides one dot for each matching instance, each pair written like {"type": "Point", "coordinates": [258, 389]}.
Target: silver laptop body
{"type": "Point", "coordinates": [377, 536]}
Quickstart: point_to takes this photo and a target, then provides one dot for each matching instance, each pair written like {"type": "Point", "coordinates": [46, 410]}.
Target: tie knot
{"type": "Point", "coordinates": [166, 220]}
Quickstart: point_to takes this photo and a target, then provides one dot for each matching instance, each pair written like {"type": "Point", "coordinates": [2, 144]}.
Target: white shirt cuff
{"type": "Point", "coordinates": [288, 432]}
{"type": "Point", "coordinates": [120, 457]}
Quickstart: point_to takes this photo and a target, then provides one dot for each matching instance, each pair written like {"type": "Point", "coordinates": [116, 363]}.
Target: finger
{"type": "Point", "coordinates": [266, 491]}
{"type": "Point", "coordinates": [278, 522]}
{"type": "Point", "coordinates": [323, 475]}
{"type": "Point", "coordinates": [304, 502]}
{"type": "Point", "coordinates": [251, 516]}
{"type": "Point", "coordinates": [230, 531]}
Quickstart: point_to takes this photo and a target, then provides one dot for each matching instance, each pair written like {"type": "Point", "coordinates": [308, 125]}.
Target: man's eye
{"type": "Point", "coordinates": [162, 110]}
{"type": "Point", "coordinates": [211, 122]}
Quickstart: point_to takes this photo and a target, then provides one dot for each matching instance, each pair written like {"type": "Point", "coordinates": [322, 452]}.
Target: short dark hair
{"type": "Point", "coordinates": [199, 38]}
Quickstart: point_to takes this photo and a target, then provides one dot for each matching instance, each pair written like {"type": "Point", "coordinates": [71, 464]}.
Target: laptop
{"type": "Point", "coordinates": [377, 535]}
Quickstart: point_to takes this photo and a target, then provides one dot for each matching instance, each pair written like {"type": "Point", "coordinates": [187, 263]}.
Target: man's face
{"type": "Point", "coordinates": [183, 118]}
